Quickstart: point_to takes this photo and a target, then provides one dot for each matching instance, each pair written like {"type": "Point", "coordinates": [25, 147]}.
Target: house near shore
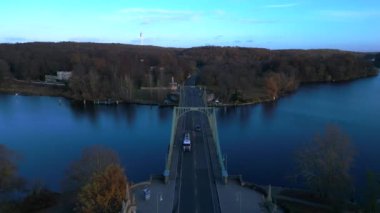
{"type": "Point", "coordinates": [62, 76]}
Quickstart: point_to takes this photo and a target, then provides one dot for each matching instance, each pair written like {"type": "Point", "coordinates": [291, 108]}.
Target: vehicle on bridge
{"type": "Point", "coordinates": [186, 142]}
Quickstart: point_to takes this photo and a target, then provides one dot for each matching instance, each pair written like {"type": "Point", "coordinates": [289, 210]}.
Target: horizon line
{"type": "Point", "coordinates": [200, 46]}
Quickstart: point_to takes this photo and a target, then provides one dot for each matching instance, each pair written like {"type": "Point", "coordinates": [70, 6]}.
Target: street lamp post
{"type": "Point", "coordinates": [157, 200]}
{"type": "Point", "coordinates": [225, 162]}
{"type": "Point", "coordinates": [238, 198]}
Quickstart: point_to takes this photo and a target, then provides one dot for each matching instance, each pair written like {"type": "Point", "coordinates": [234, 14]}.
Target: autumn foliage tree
{"type": "Point", "coordinates": [324, 165]}
{"type": "Point", "coordinates": [272, 85]}
{"type": "Point", "coordinates": [97, 181]}
{"type": "Point", "coordinates": [104, 193]}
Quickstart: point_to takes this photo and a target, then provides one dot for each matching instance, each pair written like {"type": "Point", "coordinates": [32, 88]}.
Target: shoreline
{"type": "Point", "coordinates": [25, 89]}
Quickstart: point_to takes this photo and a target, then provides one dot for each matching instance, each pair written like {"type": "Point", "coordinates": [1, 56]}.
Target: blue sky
{"type": "Point", "coordinates": [342, 24]}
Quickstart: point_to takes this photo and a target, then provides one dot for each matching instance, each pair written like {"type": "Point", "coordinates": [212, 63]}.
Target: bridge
{"type": "Point", "coordinates": [195, 181]}
{"type": "Point", "coordinates": [195, 173]}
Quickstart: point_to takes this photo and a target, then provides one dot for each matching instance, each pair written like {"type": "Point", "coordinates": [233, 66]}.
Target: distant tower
{"type": "Point", "coordinates": [141, 39]}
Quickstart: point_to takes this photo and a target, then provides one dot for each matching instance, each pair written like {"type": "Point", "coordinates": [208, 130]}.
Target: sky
{"type": "Point", "coordinates": [274, 24]}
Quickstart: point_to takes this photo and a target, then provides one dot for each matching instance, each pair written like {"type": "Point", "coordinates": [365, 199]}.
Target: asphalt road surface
{"type": "Point", "coordinates": [195, 184]}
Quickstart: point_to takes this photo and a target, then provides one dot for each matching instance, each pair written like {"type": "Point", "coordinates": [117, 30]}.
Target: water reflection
{"type": "Point", "coordinates": [120, 112]}
{"type": "Point", "coordinates": [164, 113]}
{"type": "Point", "coordinates": [245, 114]}
{"type": "Point", "coordinates": [130, 112]}
{"type": "Point", "coordinates": [81, 110]}
{"type": "Point", "coordinates": [269, 109]}
{"type": "Point", "coordinates": [226, 113]}
{"type": "Point", "coordinates": [242, 114]}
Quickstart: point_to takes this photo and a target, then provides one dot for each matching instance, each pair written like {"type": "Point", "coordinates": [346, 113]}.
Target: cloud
{"type": "Point", "coordinates": [280, 5]}
{"type": "Point", "coordinates": [256, 21]}
{"type": "Point", "coordinates": [218, 37]}
{"type": "Point", "coordinates": [154, 10]}
{"type": "Point", "coordinates": [350, 13]}
{"type": "Point", "coordinates": [219, 12]}
{"type": "Point", "coordinates": [86, 39]}
{"type": "Point", "coordinates": [147, 16]}
{"type": "Point", "coordinates": [14, 40]}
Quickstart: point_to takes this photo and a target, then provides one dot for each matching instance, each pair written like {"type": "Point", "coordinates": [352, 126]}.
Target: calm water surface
{"type": "Point", "coordinates": [259, 141]}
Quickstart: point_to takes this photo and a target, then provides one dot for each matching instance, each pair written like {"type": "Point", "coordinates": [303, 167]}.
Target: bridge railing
{"type": "Point", "coordinates": [172, 139]}
{"type": "Point", "coordinates": [215, 134]}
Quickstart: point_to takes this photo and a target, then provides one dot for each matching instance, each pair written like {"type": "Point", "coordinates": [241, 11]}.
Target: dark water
{"type": "Point", "coordinates": [259, 141]}
{"type": "Point", "coordinates": [49, 135]}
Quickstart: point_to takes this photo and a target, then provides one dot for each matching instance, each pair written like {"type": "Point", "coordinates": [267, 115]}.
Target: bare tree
{"type": "Point", "coordinates": [325, 164]}
{"type": "Point", "coordinates": [94, 159]}
{"type": "Point", "coordinates": [9, 179]}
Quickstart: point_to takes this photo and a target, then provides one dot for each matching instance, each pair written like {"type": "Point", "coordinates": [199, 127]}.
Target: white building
{"type": "Point", "coordinates": [63, 75]}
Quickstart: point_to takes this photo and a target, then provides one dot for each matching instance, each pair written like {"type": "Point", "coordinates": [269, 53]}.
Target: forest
{"type": "Point", "coordinates": [118, 71]}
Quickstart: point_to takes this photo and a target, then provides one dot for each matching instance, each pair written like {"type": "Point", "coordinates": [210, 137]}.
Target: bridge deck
{"type": "Point", "coordinates": [195, 173]}
{"type": "Point", "coordinates": [194, 180]}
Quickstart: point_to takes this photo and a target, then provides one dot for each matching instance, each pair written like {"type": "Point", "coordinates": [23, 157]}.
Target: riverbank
{"type": "Point", "coordinates": [19, 87]}
{"type": "Point", "coordinates": [266, 98]}
{"type": "Point", "coordinates": [29, 88]}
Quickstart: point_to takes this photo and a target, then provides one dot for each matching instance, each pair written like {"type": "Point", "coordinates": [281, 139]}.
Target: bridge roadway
{"type": "Point", "coordinates": [193, 180]}
{"type": "Point", "coordinates": [196, 175]}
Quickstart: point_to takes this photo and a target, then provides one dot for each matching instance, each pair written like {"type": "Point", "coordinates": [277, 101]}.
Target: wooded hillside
{"type": "Point", "coordinates": [116, 71]}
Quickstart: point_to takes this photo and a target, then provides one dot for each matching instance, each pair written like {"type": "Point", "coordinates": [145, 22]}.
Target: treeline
{"type": "Point", "coordinates": [115, 71]}
{"type": "Point", "coordinates": [100, 71]}
{"type": "Point", "coordinates": [245, 74]}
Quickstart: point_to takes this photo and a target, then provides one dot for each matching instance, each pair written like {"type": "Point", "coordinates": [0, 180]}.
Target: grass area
{"type": "Point", "coordinates": [12, 86]}
{"type": "Point", "coordinates": [300, 208]}
{"type": "Point", "coordinates": [304, 195]}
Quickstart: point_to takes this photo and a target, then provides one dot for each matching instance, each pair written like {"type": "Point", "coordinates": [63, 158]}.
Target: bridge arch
{"type": "Point", "coordinates": [210, 112]}
{"type": "Point", "coordinates": [180, 111]}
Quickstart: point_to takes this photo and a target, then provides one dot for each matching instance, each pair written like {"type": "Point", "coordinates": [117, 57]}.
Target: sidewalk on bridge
{"type": "Point", "coordinates": [236, 198]}
{"type": "Point", "coordinates": [161, 196]}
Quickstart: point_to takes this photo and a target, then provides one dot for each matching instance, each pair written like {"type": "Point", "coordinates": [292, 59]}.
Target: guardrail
{"type": "Point", "coordinates": [214, 129]}
{"type": "Point", "coordinates": [172, 138]}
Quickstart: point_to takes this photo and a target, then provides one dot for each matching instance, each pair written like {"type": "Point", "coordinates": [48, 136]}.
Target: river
{"type": "Point", "coordinates": [258, 141]}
